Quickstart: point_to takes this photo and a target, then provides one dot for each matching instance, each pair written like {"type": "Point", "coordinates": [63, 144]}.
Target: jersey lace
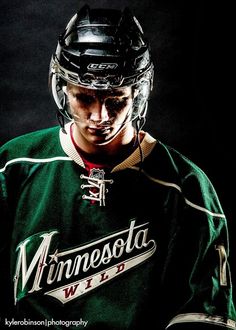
{"type": "Point", "coordinates": [96, 185]}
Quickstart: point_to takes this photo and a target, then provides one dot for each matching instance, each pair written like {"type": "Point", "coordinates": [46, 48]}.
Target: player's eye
{"type": "Point", "coordinates": [84, 99]}
{"type": "Point", "coordinates": [116, 103]}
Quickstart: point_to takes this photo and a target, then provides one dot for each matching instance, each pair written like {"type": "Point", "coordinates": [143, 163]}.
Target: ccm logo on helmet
{"type": "Point", "coordinates": [102, 66]}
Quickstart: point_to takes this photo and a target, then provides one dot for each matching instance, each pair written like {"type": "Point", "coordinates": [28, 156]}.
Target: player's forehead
{"type": "Point", "coordinates": [124, 91]}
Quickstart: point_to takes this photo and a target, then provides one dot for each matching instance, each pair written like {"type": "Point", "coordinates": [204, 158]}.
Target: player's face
{"type": "Point", "coordinates": [99, 114]}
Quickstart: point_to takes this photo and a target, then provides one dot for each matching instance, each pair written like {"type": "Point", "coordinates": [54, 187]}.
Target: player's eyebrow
{"type": "Point", "coordinates": [116, 93]}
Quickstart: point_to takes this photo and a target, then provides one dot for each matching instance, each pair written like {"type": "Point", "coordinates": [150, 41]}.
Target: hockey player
{"type": "Point", "coordinates": [102, 225]}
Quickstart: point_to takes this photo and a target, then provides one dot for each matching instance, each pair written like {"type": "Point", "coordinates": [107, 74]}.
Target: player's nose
{"type": "Point", "coordinates": [99, 112]}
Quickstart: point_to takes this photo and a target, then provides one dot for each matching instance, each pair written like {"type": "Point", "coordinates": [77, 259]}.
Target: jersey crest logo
{"type": "Point", "coordinates": [69, 274]}
{"type": "Point", "coordinates": [97, 173]}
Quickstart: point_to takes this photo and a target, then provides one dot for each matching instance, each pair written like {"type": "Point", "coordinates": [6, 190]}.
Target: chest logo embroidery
{"type": "Point", "coordinates": [68, 274]}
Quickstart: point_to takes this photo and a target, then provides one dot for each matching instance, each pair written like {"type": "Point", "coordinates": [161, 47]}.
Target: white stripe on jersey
{"type": "Point", "coordinates": [203, 318]}
{"type": "Point", "coordinates": [33, 160]}
{"type": "Point", "coordinates": [174, 185]}
{"type": "Point", "coordinates": [200, 208]}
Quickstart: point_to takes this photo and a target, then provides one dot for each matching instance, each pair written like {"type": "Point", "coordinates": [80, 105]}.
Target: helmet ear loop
{"type": "Point", "coordinates": [140, 118]}
{"type": "Point", "coordinates": [61, 112]}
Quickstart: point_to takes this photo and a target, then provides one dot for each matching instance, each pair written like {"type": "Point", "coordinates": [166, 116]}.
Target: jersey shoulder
{"type": "Point", "coordinates": [171, 164]}
{"type": "Point", "coordinates": [171, 168]}
{"type": "Point", "coordinates": [37, 144]}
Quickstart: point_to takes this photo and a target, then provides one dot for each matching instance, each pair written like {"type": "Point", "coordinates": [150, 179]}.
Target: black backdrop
{"type": "Point", "coordinates": [190, 107]}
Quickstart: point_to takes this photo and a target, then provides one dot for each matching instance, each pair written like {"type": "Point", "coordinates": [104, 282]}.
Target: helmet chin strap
{"type": "Point", "coordinates": [140, 122]}
{"type": "Point", "coordinates": [61, 120]}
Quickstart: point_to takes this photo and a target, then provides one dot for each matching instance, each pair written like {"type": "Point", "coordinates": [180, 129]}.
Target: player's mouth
{"type": "Point", "coordinates": [99, 130]}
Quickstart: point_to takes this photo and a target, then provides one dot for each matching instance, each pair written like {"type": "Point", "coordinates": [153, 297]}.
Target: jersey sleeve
{"type": "Point", "coordinates": [200, 253]}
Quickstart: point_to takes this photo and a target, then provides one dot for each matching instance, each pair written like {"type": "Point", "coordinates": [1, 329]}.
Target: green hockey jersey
{"type": "Point", "coordinates": [138, 246]}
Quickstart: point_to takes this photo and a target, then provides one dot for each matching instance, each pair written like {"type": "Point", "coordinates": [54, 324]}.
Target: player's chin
{"type": "Point", "coordinates": [100, 138]}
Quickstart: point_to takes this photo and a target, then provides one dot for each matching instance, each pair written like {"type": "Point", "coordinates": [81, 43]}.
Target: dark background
{"type": "Point", "coordinates": [191, 107]}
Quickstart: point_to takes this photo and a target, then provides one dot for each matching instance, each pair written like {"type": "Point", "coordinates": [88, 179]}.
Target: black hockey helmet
{"type": "Point", "coordinates": [102, 49]}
